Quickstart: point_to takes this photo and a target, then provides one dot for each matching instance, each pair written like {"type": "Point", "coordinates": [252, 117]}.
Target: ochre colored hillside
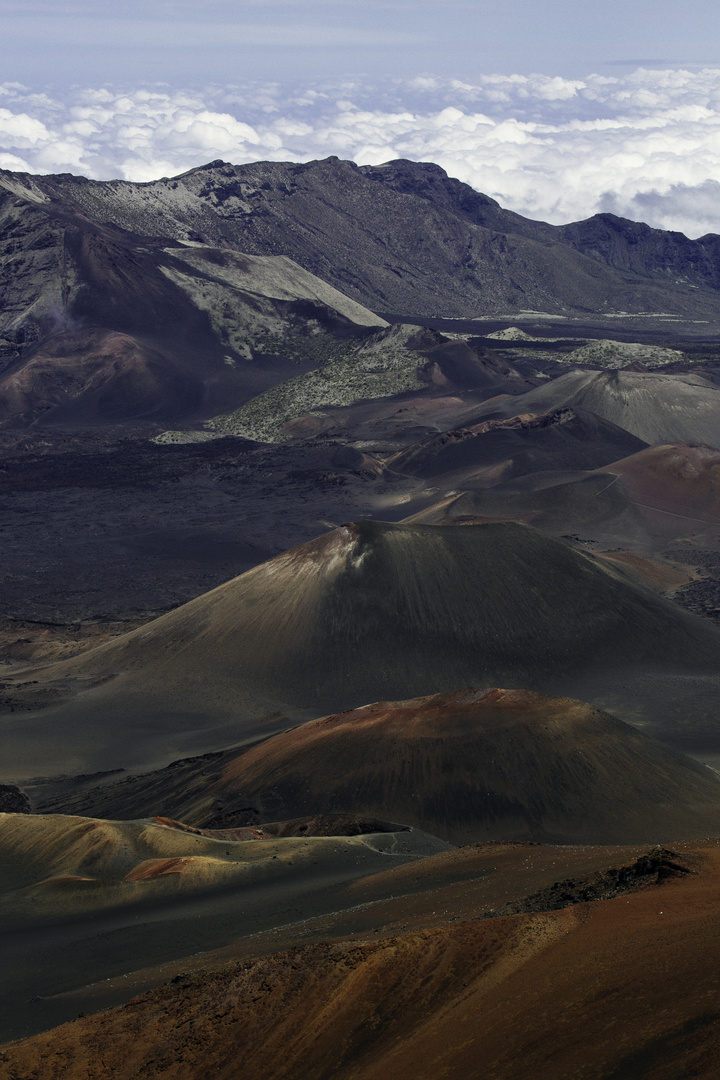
{"type": "Point", "coordinates": [482, 764]}
{"type": "Point", "coordinates": [618, 987]}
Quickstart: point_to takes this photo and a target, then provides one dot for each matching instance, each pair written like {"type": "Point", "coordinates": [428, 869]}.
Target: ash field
{"type": "Point", "coordinates": [359, 632]}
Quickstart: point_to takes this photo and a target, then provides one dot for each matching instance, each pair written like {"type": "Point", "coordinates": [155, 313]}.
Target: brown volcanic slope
{"type": "Point", "coordinates": [89, 899]}
{"type": "Point", "coordinates": [487, 452]}
{"type": "Point", "coordinates": [675, 485]}
{"type": "Point", "coordinates": [482, 765]}
{"type": "Point", "coordinates": [624, 987]}
{"type": "Point", "coordinates": [369, 611]}
{"type": "Point", "coordinates": [662, 492]}
{"type": "Point", "coordinates": [104, 374]}
{"type": "Point", "coordinates": [460, 365]}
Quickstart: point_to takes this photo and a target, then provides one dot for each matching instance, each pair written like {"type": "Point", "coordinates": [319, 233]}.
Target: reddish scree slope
{"type": "Point", "coordinates": [678, 480]}
{"type": "Point", "coordinates": [625, 987]}
{"type": "Point", "coordinates": [482, 764]}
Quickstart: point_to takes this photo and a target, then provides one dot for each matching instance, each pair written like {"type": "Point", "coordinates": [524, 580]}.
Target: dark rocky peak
{"type": "Point", "coordinates": [428, 181]}
{"type": "Point", "coordinates": [635, 246]}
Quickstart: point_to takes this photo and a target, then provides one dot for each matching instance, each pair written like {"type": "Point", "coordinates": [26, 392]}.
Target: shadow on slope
{"type": "Point", "coordinates": [481, 765]}
{"type": "Point", "coordinates": [490, 452]}
{"type": "Point", "coordinates": [369, 611]}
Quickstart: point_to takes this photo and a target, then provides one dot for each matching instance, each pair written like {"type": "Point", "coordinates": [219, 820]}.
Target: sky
{"type": "Point", "coordinates": [556, 108]}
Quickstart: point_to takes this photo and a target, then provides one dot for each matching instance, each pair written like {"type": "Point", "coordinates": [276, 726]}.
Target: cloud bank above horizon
{"type": "Point", "coordinates": [645, 145]}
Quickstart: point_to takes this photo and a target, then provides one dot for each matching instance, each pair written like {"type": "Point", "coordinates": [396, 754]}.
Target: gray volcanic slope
{"type": "Point", "coordinates": [100, 325]}
{"type": "Point", "coordinates": [656, 408]}
{"type": "Point", "coordinates": [400, 237]}
{"type": "Point", "coordinates": [371, 610]}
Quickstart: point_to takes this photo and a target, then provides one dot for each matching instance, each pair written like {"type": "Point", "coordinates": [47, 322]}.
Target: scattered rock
{"type": "Point", "coordinates": [13, 800]}
{"type": "Point", "coordinates": [651, 869]}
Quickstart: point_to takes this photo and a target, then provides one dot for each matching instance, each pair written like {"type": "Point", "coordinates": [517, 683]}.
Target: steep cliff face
{"type": "Point", "coordinates": [185, 322]}
{"type": "Point", "coordinates": [402, 237]}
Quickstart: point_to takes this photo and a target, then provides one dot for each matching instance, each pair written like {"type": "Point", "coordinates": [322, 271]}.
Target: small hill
{"type": "Point", "coordinates": [101, 900]}
{"type": "Point", "coordinates": [676, 481]}
{"type": "Point", "coordinates": [55, 865]}
{"type": "Point", "coordinates": [97, 375]}
{"type": "Point", "coordinates": [487, 452]}
{"type": "Point", "coordinates": [654, 407]}
{"type": "Point", "coordinates": [588, 504]}
{"type": "Point", "coordinates": [369, 611]}
{"type": "Point", "coordinates": [484, 765]}
{"type": "Point", "coordinates": [459, 365]}
{"type": "Point", "coordinates": [610, 354]}
{"type": "Point", "coordinates": [658, 494]}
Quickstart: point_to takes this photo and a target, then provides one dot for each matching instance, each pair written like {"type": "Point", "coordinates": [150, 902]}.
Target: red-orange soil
{"type": "Point", "coordinates": [675, 484]}
{"type": "Point", "coordinates": [87, 364]}
{"type": "Point", "coordinates": [481, 764]}
{"type": "Point", "coordinates": [624, 987]}
{"type": "Point", "coordinates": [655, 574]}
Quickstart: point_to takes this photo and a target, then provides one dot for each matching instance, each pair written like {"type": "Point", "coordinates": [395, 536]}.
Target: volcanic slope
{"type": "Point", "coordinates": [673, 484]}
{"type": "Point", "coordinates": [657, 408]}
{"type": "Point", "coordinates": [591, 505]}
{"type": "Point", "coordinates": [373, 392]}
{"type": "Point", "coordinates": [401, 237]}
{"type": "Point", "coordinates": [100, 324]}
{"type": "Point", "coordinates": [489, 452]}
{"type": "Point", "coordinates": [90, 899]}
{"type": "Point", "coordinates": [642, 501]}
{"type": "Point", "coordinates": [481, 765]}
{"type": "Point", "coordinates": [627, 983]}
{"type": "Point", "coordinates": [369, 611]}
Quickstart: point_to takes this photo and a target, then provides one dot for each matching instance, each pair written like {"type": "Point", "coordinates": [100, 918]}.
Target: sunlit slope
{"type": "Point", "coordinates": [492, 598]}
{"type": "Point", "coordinates": [85, 902]}
{"type": "Point", "coordinates": [57, 865]}
{"type": "Point", "coordinates": [622, 987]}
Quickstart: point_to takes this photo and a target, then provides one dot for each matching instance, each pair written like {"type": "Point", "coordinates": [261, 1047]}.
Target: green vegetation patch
{"type": "Point", "coordinates": [381, 368]}
{"type": "Point", "coordinates": [618, 354]}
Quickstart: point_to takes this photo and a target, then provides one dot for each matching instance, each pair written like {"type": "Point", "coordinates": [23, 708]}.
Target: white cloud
{"type": "Point", "coordinates": [645, 145]}
{"type": "Point", "coordinates": [21, 130]}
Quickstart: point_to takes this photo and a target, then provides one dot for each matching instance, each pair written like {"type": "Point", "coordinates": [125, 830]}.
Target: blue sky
{"type": "Point", "coordinates": [556, 108]}
{"type": "Point", "coordinates": [187, 44]}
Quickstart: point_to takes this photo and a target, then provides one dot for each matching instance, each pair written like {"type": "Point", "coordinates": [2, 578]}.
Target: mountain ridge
{"type": "Point", "coordinates": [400, 237]}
